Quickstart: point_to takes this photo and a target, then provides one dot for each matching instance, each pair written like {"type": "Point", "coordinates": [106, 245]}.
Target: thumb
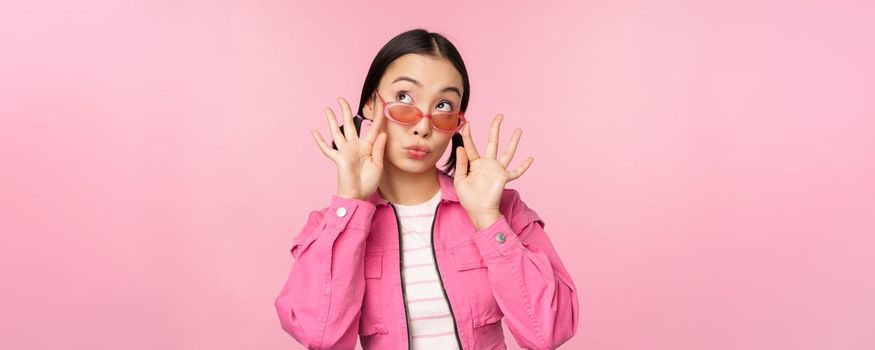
{"type": "Point", "coordinates": [461, 163]}
{"type": "Point", "coordinates": [378, 149]}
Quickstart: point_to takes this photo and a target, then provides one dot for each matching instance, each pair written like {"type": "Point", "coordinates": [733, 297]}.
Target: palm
{"type": "Point", "coordinates": [487, 177]}
{"type": "Point", "coordinates": [359, 160]}
{"type": "Point", "coordinates": [480, 188]}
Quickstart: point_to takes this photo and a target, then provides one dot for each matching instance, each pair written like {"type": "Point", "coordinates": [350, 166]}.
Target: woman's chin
{"type": "Point", "coordinates": [415, 165]}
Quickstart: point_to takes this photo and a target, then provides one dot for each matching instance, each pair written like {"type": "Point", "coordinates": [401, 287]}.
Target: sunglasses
{"type": "Point", "coordinates": [408, 114]}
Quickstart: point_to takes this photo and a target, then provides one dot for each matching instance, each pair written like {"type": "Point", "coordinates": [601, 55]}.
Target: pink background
{"type": "Point", "coordinates": [706, 169]}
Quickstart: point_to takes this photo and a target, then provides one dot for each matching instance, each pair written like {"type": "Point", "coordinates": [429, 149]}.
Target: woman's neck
{"type": "Point", "coordinates": [405, 188]}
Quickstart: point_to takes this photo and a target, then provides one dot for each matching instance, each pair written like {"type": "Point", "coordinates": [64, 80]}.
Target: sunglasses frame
{"type": "Point", "coordinates": [420, 115]}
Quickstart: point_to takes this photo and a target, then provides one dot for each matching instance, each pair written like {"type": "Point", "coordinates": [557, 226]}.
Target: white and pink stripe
{"type": "Point", "coordinates": [431, 324]}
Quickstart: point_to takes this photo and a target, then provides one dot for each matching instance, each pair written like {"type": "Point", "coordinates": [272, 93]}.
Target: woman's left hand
{"type": "Point", "coordinates": [480, 189]}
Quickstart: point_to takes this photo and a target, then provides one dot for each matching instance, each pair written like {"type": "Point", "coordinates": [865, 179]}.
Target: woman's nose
{"type": "Point", "coordinates": [423, 126]}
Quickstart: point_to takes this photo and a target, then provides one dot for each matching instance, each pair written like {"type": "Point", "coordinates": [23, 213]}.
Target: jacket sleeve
{"type": "Point", "coordinates": [320, 303]}
{"type": "Point", "coordinates": [530, 284]}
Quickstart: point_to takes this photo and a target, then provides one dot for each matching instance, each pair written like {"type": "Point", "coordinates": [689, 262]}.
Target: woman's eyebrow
{"type": "Point", "coordinates": [449, 88]}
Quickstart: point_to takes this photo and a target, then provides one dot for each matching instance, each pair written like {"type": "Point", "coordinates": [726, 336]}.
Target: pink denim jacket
{"type": "Point", "coordinates": [346, 279]}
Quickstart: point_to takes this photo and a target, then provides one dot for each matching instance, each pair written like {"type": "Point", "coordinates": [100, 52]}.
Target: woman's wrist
{"type": "Point", "coordinates": [485, 219]}
{"type": "Point", "coordinates": [347, 196]}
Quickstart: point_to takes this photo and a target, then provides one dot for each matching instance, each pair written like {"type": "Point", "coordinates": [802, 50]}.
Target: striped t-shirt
{"type": "Point", "coordinates": [431, 325]}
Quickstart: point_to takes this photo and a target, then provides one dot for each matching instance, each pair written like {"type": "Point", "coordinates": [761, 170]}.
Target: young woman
{"type": "Point", "coordinates": [410, 256]}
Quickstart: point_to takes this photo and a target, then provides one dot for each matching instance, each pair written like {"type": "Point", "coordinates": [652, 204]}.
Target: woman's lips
{"type": "Point", "coordinates": [416, 154]}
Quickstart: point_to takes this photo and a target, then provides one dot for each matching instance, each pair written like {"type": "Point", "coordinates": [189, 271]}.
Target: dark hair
{"type": "Point", "coordinates": [417, 41]}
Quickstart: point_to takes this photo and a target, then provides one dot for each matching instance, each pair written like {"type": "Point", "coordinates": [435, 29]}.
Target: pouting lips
{"type": "Point", "coordinates": [419, 148]}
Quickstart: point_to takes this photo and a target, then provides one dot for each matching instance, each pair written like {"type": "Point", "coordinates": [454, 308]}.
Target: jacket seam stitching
{"type": "Point", "coordinates": [326, 297]}
{"type": "Point", "coordinates": [527, 302]}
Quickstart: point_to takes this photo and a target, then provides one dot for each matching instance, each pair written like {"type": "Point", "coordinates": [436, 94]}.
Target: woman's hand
{"type": "Point", "coordinates": [359, 161]}
{"type": "Point", "coordinates": [480, 189]}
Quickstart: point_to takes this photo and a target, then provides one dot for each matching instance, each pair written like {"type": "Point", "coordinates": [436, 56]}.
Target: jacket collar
{"type": "Point", "coordinates": [448, 191]}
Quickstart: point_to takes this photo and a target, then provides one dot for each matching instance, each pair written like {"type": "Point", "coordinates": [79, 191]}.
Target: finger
{"type": "Point", "coordinates": [492, 145]}
{"type": "Point", "coordinates": [348, 131]}
{"type": "Point", "coordinates": [521, 169]}
{"type": "Point", "coordinates": [326, 149]}
{"type": "Point", "coordinates": [511, 148]}
{"type": "Point", "coordinates": [377, 124]}
{"type": "Point", "coordinates": [461, 163]}
{"type": "Point", "coordinates": [379, 148]}
{"type": "Point", "coordinates": [335, 130]}
{"type": "Point", "coordinates": [470, 148]}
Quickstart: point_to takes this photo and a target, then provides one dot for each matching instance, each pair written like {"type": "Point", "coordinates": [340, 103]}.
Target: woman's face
{"type": "Point", "coordinates": [430, 83]}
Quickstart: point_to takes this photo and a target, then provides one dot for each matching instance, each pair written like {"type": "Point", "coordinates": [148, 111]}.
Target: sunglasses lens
{"type": "Point", "coordinates": [404, 114]}
{"type": "Point", "coordinates": [446, 121]}
{"type": "Point", "coordinates": [409, 114]}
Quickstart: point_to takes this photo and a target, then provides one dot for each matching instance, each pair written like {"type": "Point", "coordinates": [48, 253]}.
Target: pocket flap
{"type": "Point", "coordinates": [366, 328]}
{"type": "Point", "coordinates": [373, 262]}
{"type": "Point", "coordinates": [488, 318]}
{"type": "Point", "coordinates": [467, 256]}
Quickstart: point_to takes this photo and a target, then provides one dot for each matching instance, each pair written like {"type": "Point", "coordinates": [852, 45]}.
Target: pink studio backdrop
{"type": "Point", "coordinates": [706, 169]}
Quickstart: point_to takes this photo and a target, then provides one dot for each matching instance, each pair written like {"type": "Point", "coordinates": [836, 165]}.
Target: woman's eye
{"type": "Point", "coordinates": [448, 107]}
{"type": "Point", "coordinates": [398, 97]}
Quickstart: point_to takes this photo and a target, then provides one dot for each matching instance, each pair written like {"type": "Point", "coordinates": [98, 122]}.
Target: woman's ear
{"type": "Point", "coordinates": [368, 109]}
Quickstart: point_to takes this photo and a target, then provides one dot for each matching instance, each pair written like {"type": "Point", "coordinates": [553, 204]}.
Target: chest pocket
{"type": "Point", "coordinates": [473, 271]}
{"type": "Point", "coordinates": [372, 320]}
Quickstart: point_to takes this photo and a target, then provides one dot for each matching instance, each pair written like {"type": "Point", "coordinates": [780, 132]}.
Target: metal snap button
{"type": "Point", "coordinates": [341, 212]}
{"type": "Point", "coordinates": [500, 237]}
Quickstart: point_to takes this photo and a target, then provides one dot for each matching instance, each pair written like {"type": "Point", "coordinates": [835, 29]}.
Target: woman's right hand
{"type": "Point", "coordinates": [359, 161]}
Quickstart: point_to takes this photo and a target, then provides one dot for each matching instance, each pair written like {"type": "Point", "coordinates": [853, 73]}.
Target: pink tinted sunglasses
{"type": "Point", "coordinates": [408, 114]}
